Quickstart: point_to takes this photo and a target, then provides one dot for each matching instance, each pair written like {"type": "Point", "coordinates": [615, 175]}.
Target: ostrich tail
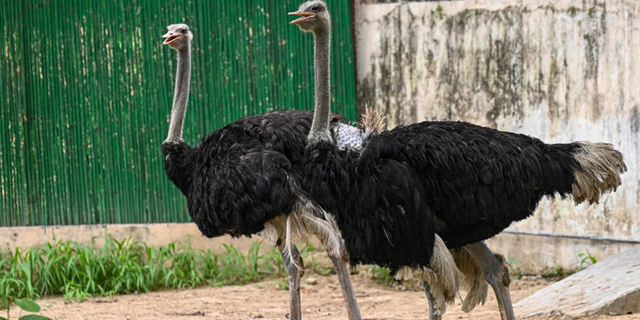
{"type": "Point", "coordinates": [307, 219]}
{"type": "Point", "coordinates": [474, 280]}
{"type": "Point", "coordinates": [599, 172]}
{"type": "Point", "coordinates": [372, 121]}
{"type": "Point", "coordinates": [443, 278]}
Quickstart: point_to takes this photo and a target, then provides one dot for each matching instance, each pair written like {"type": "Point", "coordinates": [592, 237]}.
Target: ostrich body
{"type": "Point", "coordinates": [244, 178]}
{"type": "Point", "coordinates": [464, 182]}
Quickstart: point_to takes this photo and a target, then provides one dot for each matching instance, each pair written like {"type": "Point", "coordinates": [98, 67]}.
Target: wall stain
{"type": "Point", "coordinates": [634, 121]}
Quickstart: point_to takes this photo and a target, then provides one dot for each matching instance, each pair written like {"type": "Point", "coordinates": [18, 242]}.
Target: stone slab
{"type": "Point", "coordinates": [608, 287]}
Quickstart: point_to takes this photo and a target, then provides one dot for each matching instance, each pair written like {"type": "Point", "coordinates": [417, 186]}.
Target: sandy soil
{"type": "Point", "coordinates": [264, 300]}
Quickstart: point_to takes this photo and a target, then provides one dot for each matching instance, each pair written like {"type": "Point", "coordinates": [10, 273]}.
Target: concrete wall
{"type": "Point", "coordinates": [153, 235]}
{"type": "Point", "coordinates": [558, 70]}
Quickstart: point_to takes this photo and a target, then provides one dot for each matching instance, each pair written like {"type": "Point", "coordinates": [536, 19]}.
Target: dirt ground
{"type": "Point", "coordinates": [264, 300]}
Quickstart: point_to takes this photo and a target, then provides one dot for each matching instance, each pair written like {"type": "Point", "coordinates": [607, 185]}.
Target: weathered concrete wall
{"type": "Point", "coordinates": [153, 235]}
{"type": "Point", "coordinates": [558, 70]}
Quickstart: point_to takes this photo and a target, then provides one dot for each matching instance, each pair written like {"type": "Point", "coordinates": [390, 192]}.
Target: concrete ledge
{"type": "Point", "coordinates": [537, 254]}
{"type": "Point", "coordinates": [152, 234]}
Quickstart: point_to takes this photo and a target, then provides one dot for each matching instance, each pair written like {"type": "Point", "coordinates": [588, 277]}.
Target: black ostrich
{"type": "Point", "coordinates": [464, 182]}
{"type": "Point", "coordinates": [245, 178]}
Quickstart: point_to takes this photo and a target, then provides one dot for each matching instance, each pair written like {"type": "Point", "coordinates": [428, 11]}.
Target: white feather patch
{"type": "Point", "coordinates": [307, 219]}
{"type": "Point", "coordinates": [442, 276]}
{"type": "Point", "coordinates": [349, 137]}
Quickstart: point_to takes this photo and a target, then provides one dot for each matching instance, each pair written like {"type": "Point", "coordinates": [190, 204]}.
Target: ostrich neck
{"type": "Point", "coordinates": [181, 95]}
{"type": "Point", "coordinates": [320, 126]}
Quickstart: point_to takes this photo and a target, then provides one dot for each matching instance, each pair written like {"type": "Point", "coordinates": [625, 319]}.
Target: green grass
{"type": "Point", "coordinates": [78, 272]}
{"type": "Point", "coordinates": [380, 275]}
{"type": "Point", "coordinates": [384, 277]}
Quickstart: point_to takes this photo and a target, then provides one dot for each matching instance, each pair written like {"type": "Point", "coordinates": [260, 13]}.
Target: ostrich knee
{"type": "Point", "coordinates": [496, 273]}
{"type": "Point", "coordinates": [504, 265]}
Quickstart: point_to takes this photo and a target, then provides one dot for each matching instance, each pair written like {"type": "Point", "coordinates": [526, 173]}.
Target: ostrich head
{"type": "Point", "coordinates": [178, 36]}
{"type": "Point", "coordinates": [314, 16]}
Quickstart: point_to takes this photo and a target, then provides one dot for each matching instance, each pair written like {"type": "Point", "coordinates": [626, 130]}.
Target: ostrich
{"type": "Point", "coordinates": [245, 178]}
{"type": "Point", "coordinates": [464, 182]}
{"type": "Point", "coordinates": [395, 215]}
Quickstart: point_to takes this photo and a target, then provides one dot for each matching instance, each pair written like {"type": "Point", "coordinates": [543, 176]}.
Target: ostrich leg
{"type": "Point", "coordinates": [432, 305]}
{"type": "Point", "coordinates": [295, 312]}
{"type": "Point", "coordinates": [342, 269]}
{"type": "Point", "coordinates": [496, 274]}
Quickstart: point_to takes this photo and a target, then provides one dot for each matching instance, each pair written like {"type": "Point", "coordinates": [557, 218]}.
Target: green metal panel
{"type": "Point", "coordinates": [86, 90]}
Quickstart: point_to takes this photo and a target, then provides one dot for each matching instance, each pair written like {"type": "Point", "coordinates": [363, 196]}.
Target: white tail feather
{"type": "Point", "coordinates": [442, 276]}
{"type": "Point", "coordinates": [474, 280]}
{"type": "Point", "coordinates": [305, 220]}
{"type": "Point", "coordinates": [601, 166]}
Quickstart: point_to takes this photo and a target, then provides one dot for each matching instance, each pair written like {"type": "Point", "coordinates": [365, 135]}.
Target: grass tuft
{"type": "Point", "coordinates": [380, 275]}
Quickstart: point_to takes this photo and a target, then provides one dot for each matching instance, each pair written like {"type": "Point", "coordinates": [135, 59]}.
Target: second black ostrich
{"type": "Point", "coordinates": [464, 182]}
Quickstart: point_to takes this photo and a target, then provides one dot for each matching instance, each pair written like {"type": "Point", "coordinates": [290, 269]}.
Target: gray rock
{"type": "Point", "coordinates": [608, 287]}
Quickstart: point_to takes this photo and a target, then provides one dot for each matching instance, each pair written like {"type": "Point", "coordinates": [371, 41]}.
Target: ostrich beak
{"type": "Point", "coordinates": [171, 37]}
{"type": "Point", "coordinates": [304, 16]}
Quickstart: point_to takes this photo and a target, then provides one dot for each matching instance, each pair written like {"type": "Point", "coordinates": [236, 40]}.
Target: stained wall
{"type": "Point", "coordinates": [558, 70]}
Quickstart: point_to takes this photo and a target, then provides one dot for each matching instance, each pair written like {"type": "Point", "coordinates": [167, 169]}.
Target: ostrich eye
{"type": "Point", "coordinates": [183, 31]}
{"type": "Point", "coordinates": [315, 9]}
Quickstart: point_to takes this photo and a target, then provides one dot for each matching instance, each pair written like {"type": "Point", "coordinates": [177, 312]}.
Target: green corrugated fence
{"type": "Point", "coordinates": [87, 87]}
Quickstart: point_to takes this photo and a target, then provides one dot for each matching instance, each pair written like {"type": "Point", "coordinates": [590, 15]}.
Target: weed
{"type": "Point", "coordinates": [381, 275]}
{"type": "Point", "coordinates": [558, 273]}
{"type": "Point", "coordinates": [585, 260]}
{"type": "Point", "coordinates": [514, 270]}
{"type": "Point", "coordinates": [326, 271]}
{"type": "Point", "coordinates": [282, 284]}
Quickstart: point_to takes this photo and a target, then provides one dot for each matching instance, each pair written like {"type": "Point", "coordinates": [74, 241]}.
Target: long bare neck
{"type": "Point", "coordinates": [320, 126]}
{"type": "Point", "coordinates": [181, 95]}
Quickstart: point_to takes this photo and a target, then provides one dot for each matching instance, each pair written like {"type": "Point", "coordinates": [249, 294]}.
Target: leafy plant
{"type": "Point", "coordinates": [585, 260]}
{"type": "Point", "coordinates": [26, 305]}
